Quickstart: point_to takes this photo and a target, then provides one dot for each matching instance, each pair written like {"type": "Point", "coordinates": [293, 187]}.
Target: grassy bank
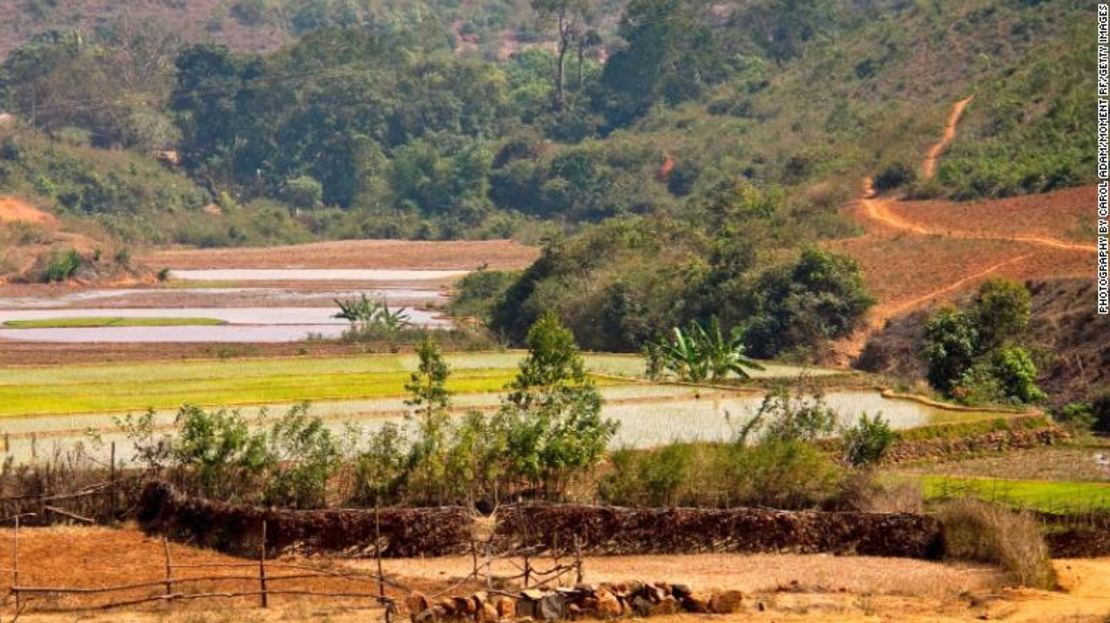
{"type": "Point", "coordinates": [109, 321]}
{"type": "Point", "coordinates": [1050, 496]}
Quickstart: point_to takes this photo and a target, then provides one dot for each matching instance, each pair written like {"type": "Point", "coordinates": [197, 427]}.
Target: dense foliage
{"type": "Point", "coordinates": [976, 354]}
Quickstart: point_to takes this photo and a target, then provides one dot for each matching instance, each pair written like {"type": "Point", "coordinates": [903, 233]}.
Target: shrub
{"type": "Point", "coordinates": [1080, 415]}
{"type": "Point", "coordinates": [304, 455]}
{"type": "Point", "coordinates": [868, 441]}
{"type": "Point", "coordinates": [951, 345]}
{"type": "Point", "coordinates": [217, 451]}
{"type": "Point", "coordinates": [1001, 312]}
{"type": "Point", "coordinates": [551, 418]}
{"type": "Point", "coordinates": [61, 266]}
{"type": "Point", "coordinates": [648, 477]}
{"type": "Point", "coordinates": [787, 474]}
{"type": "Point", "coordinates": [894, 176]}
{"type": "Point", "coordinates": [979, 531]}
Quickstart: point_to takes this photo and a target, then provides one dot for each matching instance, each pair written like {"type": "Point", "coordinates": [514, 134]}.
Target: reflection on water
{"type": "Point", "coordinates": [648, 416]}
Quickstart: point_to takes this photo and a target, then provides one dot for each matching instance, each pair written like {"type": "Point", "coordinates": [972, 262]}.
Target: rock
{"type": "Point", "coordinates": [487, 613]}
{"type": "Point", "coordinates": [695, 602]}
{"type": "Point", "coordinates": [608, 606]}
{"type": "Point", "coordinates": [424, 616]}
{"type": "Point", "coordinates": [641, 605]}
{"type": "Point", "coordinates": [506, 607]}
{"type": "Point", "coordinates": [669, 605]}
{"type": "Point", "coordinates": [464, 606]}
{"type": "Point", "coordinates": [725, 602]}
{"type": "Point", "coordinates": [681, 591]}
{"type": "Point", "coordinates": [416, 603]}
{"type": "Point", "coordinates": [447, 605]}
{"type": "Point", "coordinates": [553, 607]}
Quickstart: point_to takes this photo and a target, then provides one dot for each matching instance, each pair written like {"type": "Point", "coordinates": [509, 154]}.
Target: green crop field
{"type": "Point", "coordinates": [1040, 495]}
{"type": "Point", "coordinates": [101, 388]}
{"type": "Point", "coordinates": [108, 321]}
{"type": "Point", "coordinates": [166, 385]}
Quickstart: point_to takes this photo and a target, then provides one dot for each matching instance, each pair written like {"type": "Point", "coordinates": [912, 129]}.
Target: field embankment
{"type": "Point", "coordinates": [379, 254]}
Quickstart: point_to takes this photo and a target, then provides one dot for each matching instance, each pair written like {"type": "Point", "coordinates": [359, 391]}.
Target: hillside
{"type": "Point", "coordinates": [734, 135]}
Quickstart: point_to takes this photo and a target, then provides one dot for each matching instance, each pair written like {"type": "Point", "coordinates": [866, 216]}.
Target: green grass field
{"type": "Point", "coordinates": [1041, 495]}
{"type": "Point", "coordinates": [109, 321]}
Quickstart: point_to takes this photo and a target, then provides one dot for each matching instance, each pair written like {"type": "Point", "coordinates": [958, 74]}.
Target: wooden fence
{"type": "Point", "coordinates": [270, 577]}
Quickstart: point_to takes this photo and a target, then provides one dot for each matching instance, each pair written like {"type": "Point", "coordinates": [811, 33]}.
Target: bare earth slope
{"type": "Point", "coordinates": [916, 254]}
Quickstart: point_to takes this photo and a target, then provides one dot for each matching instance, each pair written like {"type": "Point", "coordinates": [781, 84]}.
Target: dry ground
{"type": "Point", "coordinates": [919, 254]}
{"type": "Point", "coordinates": [780, 587]}
{"type": "Point", "coordinates": [384, 254]}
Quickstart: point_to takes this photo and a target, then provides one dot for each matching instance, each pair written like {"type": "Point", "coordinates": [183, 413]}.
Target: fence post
{"type": "Point", "coordinates": [262, 568]}
{"type": "Point", "coordinates": [580, 575]}
{"type": "Point", "coordinates": [386, 603]}
{"type": "Point", "coordinates": [169, 568]}
{"type": "Point", "coordinates": [112, 479]}
{"type": "Point", "coordinates": [527, 569]}
{"type": "Point", "coordinates": [15, 565]}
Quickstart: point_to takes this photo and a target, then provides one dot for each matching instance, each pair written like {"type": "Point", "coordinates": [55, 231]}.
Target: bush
{"type": "Point", "coordinates": [304, 456]}
{"type": "Point", "coordinates": [786, 474]}
{"type": "Point", "coordinates": [894, 176]}
{"type": "Point", "coordinates": [868, 441]}
{"type": "Point", "coordinates": [61, 266]}
{"type": "Point", "coordinates": [982, 532]}
{"type": "Point", "coordinates": [650, 478]}
{"type": "Point", "coordinates": [1080, 415]}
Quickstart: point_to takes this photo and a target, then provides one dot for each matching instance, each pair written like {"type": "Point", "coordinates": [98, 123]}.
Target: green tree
{"type": "Point", "coordinates": [569, 17]}
{"type": "Point", "coordinates": [1001, 311]}
{"type": "Point", "coordinates": [868, 441]}
{"type": "Point", "coordinates": [551, 418]}
{"type": "Point", "coordinates": [951, 346]}
{"type": "Point", "coordinates": [430, 400]}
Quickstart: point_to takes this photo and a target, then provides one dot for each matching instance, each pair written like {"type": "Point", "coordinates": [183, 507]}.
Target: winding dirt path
{"type": "Point", "coordinates": [883, 213]}
{"type": "Point", "coordinates": [929, 167]}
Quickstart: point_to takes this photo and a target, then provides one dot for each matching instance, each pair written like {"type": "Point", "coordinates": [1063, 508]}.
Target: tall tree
{"type": "Point", "coordinates": [569, 17]}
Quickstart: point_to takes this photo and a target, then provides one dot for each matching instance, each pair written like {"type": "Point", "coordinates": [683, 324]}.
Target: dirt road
{"type": "Point", "coordinates": [929, 167]}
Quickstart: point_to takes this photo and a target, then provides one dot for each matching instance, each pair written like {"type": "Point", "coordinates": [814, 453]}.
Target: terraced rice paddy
{"type": "Point", "coordinates": [1050, 496]}
{"type": "Point", "coordinates": [45, 406]}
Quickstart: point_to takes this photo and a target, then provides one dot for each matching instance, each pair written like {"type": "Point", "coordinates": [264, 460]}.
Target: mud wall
{"type": "Point", "coordinates": [614, 530]}
{"type": "Point", "coordinates": [237, 529]}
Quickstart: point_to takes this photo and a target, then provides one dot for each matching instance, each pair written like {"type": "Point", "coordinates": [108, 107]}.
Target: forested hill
{"type": "Point", "coordinates": [685, 163]}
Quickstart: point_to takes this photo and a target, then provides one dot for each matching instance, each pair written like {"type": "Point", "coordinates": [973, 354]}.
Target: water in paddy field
{"type": "Point", "coordinates": [649, 415]}
{"type": "Point", "coordinates": [252, 324]}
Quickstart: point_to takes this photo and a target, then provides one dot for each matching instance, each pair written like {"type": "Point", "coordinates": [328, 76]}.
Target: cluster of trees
{"type": "Point", "coordinates": [624, 283]}
{"type": "Point", "coordinates": [548, 431]}
{"type": "Point", "coordinates": [975, 352]}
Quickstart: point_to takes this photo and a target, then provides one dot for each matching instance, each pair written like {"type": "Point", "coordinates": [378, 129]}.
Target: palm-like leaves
{"type": "Point", "coordinates": [699, 353]}
{"type": "Point", "coordinates": [373, 313]}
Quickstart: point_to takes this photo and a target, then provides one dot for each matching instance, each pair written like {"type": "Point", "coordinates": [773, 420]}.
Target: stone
{"type": "Point", "coordinates": [681, 591]}
{"type": "Point", "coordinates": [669, 605]}
{"type": "Point", "coordinates": [487, 613]}
{"type": "Point", "coordinates": [506, 607]}
{"type": "Point", "coordinates": [416, 602]}
{"type": "Point", "coordinates": [608, 606]}
{"type": "Point", "coordinates": [725, 602]}
{"type": "Point", "coordinates": [695, 602]}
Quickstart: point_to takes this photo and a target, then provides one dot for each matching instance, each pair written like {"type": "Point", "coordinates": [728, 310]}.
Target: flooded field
{"type": "Point", "coordinates": [285, 305]}
{"type": "Point", "coordinates": [649, 414]}
{"type": "Point", "coordinates": [244, 324]}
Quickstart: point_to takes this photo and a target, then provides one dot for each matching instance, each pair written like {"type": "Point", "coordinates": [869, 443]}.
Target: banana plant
{"type": "Point", "coordinates": [699, 353]}
{"type": "Point", "coordinates": [371, 313]}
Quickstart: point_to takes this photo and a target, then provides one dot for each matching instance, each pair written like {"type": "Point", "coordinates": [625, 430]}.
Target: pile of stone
{"type": "Point", "coordinates": [603, 601]}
